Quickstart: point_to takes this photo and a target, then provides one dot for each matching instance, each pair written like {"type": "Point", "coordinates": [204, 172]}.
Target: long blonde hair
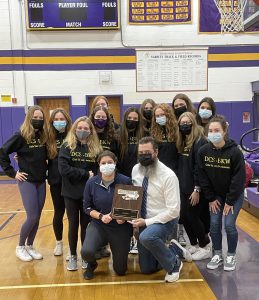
{"type": "Point", "coordinates": [196, 133]}
{"type": "Point", "coordinates": [157, 130]}
{"type": "Point", "coordinates": [93, 142]}
{"type": "Point", "coordinates": [27, 130]}
{"type": "Point", "coordinates": [52, 145]}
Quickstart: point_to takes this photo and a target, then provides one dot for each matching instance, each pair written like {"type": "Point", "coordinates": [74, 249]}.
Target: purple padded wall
{"type": "Point", "coordinates": [77, 111]}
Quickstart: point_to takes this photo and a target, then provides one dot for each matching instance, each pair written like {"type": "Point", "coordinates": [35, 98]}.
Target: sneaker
{"type": "Point", "coordinates": [192, 249]}
{"type": "Point", "coordinates": [230, 263]}
{"type": "Point", "coordinates": [105, 252]}
{"type": "Point", "coordinates": [215, 262]}
{"type": "Point", "coordinates": [202, 253]}
{"type": "Point", "coordinates": [179, 250]}
{"type": "Point", "coordinates": [182, 240]}
{"type": "Point", "coordinates": [133, 246]}
{"type": "Point", "coordinates": [72, 263]}
{"type": "Point", "coordinates": [33, 253]}
{"type": "Point", "coordinates": [58, 249]}
{"type": "Point", "coordinates": [83, 264]}
{"type": "Point", "coordinates": [68, 255]}
{"type": "Point", "coordinates": [89, 272]}
{"type": "Point", "coordinates": [175, 273]}
{"type": "Point", "coordinates": [22, 253]}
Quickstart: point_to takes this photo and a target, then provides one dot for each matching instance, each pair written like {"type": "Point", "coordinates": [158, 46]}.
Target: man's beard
{"type": "Point", "coordinates": [148, 171]}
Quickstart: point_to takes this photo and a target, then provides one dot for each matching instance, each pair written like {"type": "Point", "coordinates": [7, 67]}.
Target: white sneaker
{"type": "Point", "coordinates": [22, 253]}
{"type": "Point", "coordinates": [58, 249]}
{"type": "Point", "coordinates": [133, 246]}
{"type": "Point", "coordinates": [68, 255]}
{"type": "Point", "coordinates": [230, 263]}
{"type": "Point", "coordinates": [202, 253]}
{"type": "Point", "coordinates": [33, 253]}
{"type": "Point", "coordinates": [192, 249]}
{"type": "Point", "coordinates": [175, 274]}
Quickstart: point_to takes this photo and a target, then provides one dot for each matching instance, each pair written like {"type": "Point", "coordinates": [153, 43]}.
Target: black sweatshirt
{"type": "Point", "coordinates": [167, 153]}
{"type": "Point", "coordinates": [221, 171]}
{"type": "Point", "coordinates": [54, 177]}
{"type": "Point", "coordinates": [32, 157]}
{"type": "Point", "coordinates": [74, 167]}
{"type": "Point", "coordinates": [126, 163]}
{"type": "Point", "coordinates": [188, 167]}
{"type": "Point", "coordinates": [111, 145]}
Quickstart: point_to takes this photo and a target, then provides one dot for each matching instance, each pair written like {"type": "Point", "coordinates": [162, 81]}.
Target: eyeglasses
{"type": "Point", "coordinates": [186, 123]}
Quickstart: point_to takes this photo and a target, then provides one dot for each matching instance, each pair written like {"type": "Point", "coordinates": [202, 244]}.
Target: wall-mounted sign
{"type": "Point", "coordinates": [72, 14]}
{"type": "Point", "coordinates": [6, 98]}
{"type": "Point", "coordinates": [172, 70]}
{"type": "Point", "coordinates": [159, 11]}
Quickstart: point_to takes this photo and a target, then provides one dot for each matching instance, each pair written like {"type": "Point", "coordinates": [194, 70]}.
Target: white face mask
{"type": "Point", "coordinates": [107, 169]}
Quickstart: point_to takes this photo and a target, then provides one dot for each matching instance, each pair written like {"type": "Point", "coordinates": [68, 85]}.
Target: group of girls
{"type": "Point", "coordinates": [66, 154]}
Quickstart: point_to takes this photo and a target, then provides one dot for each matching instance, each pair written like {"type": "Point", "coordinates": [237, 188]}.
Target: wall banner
{"type": "Point", "coordinates": [144, 12]}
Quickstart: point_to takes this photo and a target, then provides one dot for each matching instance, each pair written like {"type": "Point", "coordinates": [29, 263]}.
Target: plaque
{"type": "Point", "coordinates": [127, 201]}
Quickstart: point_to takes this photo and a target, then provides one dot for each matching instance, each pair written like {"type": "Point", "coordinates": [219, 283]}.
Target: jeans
{"type": "Point", "coordinates": [230, 226]}
{"type": "Point", "coordinates": [153, 252]}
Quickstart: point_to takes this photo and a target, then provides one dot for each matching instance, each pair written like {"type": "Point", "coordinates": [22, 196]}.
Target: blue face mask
{"type": "Point", "coordinates": [60, 125]}
{"type": "Point", "coordinates": [205, 113]}
{"type": "Point", "coordinates": [215, 137]}
{"type": "Point", "coordinates": [161, 120]}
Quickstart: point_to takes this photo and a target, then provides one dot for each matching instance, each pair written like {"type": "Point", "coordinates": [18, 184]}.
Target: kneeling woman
{"type": "Point", "coordinates": [98, 195]}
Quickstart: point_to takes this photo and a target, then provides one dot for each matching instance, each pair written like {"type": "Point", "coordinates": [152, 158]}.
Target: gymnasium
{"type": "Point", "coordinates": [64, 53]}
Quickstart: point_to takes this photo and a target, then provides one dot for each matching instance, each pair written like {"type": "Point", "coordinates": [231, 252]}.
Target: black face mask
{"type": "Point", "coordinates": [37, 124]}
{"type": "Point", "coordinates": [148, 114]}
{"type": "Point", "coordinates": [145, 159]}
{"type": "Point", "coordinates": [131, 124]}
{"type": "Point", "coordinates": [185, 129]}
{"type": "Point", "coordinates": [180, 110]}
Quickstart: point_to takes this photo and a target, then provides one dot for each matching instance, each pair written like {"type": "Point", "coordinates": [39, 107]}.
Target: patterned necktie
{"type": "Point", "coordinates": [144, 199]}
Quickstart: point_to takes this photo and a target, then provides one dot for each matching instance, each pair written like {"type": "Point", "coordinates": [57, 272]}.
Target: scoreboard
{"type": "Point", "coordinates": [72, 14]}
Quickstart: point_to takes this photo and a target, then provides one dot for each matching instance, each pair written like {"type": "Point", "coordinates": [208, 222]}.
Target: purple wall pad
{"type": "Point", "coordinates": [78, 111]}
{"type": "Point", "coordinates": [253, 196]}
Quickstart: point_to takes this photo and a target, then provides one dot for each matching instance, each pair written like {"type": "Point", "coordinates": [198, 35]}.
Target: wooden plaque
{"type": "Point", "coordinates": [127, 201]}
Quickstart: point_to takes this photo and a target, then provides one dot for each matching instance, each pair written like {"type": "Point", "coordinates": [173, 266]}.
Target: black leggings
{"type": "Point", "coordinates": [75, 214]}
{"type": "Point", "coordinates": [190, 216]}
{"type": "Point", "coordinates": [117, 236]}
{"type": "Point", "coordinates": [59, 210]}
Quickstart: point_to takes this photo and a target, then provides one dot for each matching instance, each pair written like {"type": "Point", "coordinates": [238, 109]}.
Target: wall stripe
{"type": "Point", "coordinates": [113, 59]}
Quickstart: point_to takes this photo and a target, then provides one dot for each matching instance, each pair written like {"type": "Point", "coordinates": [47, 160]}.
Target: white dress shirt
{"type": "Point", "coordinates": [163, 195]}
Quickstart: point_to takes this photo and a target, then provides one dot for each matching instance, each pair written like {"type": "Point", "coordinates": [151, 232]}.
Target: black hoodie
{"type": "Point", "coordinates": [221, 171]}
{"type": "Point", "coordinates": [74, 167]}
{"type": "Point", "coordinates": [54, 177]}
{"type": "Point", "coordinates": [32, 157]}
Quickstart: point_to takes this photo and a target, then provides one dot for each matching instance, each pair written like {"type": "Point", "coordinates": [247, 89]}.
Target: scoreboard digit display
{"type": "Point", "coordinates": [72, 14]}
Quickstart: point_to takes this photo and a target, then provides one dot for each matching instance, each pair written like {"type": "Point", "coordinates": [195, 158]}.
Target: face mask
{"type": "Point", "coordinates": [100, 123]}
{"type": "Point", "coordinates": [185, 129]}
{"type": "Point", "coordinates": [148, 114]}
{"type": "Point", "coordinates": [205, 113]}
{"type": "Point", "coordinates": [145, 159]}
{"type": "Point", "coordinates": [215, 137]}
{"type": "Point", "coordinates": [37, 124]}
{"type": "Point", "coordinates": [131, 124]}
{"type": "Point", "coordinates": [161, 120]}
{"type": "Point", "coordinates": [60, 125]}
{"type": "Point", "coordinates": [107, 169]}
{"type": "Point", "coordinates": [82, 134]}
{"type": "Point", "coordinates": [180, 110]}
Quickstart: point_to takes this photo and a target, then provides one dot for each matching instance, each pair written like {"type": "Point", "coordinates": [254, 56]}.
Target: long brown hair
{"type": "Point", "coordinates": [196, 133]}
{"type": "Point", "coordinates": [109, 128]}
{"type": "Point", "coordinates": [187, 101]}
{"type": "Point", "coordinates": [52, 145]}
{"type": "Point", "coordinates": [27, 130]}
{"type": "Point", "coordinates": [92, 141]}
{"type": "Point", "coordinates": [124, 135]}
{"type": "Point", "coordinates": [157, 130]}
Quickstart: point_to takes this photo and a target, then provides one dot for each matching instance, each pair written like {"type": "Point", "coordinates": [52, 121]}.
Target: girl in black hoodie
{"type": "Point", "coordinates": [189, 140]}
{"type": "Point", "coordinates": [76, 163]}
{"type": "Point", "coordinates": [222, 179]}
{"type": "Point", "coordinates": [59, 125]}
{"type": "Point", "coordinates": [30, 145]}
